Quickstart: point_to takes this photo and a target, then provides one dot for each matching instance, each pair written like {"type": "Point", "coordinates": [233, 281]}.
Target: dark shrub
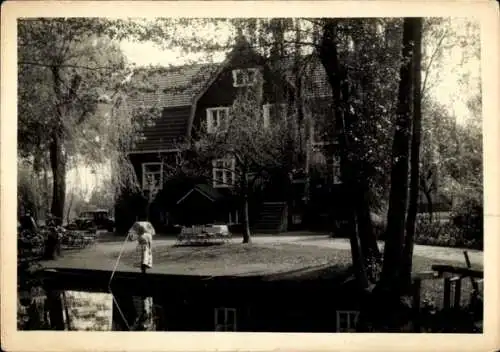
{"type": "Point", "coordinates": [172, 229]}
{"type": "Point", "coordinates": [235, 228]}
{"type": "Point", "coordinates": [444, 233]}
{"type": "Point", "coordinates": [468, 218]}
{"type": "Point", "coordinates": [30, 245]}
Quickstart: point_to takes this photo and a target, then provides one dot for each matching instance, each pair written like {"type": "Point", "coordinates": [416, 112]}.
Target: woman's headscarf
{"type": "Point", "coordinates": [139, 228]}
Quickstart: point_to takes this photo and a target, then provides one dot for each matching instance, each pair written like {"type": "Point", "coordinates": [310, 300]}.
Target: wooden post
{"type": "Point", "coordinates": [458, 291]}
{"type": "Point", "coordinates": [447, 293]}
{"type": "Point", "coordinates": [417, 286]}
{"type": "Point", "coordinates": [66, 310]}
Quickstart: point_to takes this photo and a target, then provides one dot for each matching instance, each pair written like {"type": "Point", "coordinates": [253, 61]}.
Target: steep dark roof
{"type": "Point", "coordinates": [210, 191]}
{"type": "Point", "coordinates": [315, 82]}
{"type": "Point", "coordinates": [174, 89]}
{"type": "Point", "coordinates": [171, 87]}
{"type": "Point", "coordinates": [166, 132]}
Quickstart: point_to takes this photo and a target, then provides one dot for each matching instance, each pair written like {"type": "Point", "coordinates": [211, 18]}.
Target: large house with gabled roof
{"type": "Point", "coordinates": [199, 96]}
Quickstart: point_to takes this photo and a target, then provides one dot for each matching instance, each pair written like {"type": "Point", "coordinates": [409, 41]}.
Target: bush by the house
{"type": "Point", "coordinates": [30, 245]}
{"type": "Point", "coordinates": [468, 218]}
{"type": "Point", "coordinates": [448, 234]}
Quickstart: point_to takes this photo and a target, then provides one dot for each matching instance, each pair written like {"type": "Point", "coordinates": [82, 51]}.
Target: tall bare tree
{"type": "Point", "coordinates": [415, 155]}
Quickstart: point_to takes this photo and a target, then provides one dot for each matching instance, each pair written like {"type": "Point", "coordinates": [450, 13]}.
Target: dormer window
{"type": "Point", "coordinates": [152, 176]}
{"type": "Point", "coordinates": [217, 119]}
{"type": "Point", "coordinates": [273, 114]}
{"type": "Point", "coordinates": [245, 77]}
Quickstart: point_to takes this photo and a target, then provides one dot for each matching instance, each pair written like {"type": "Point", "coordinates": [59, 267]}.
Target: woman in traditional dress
{"type": "Point", "coordinates": [143, 232]}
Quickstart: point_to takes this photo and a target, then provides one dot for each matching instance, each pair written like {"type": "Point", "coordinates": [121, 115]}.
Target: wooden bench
{"type": "Point", "coordinates": [204, 235]}
{"type": "Point", "coordinates": [78, 239]}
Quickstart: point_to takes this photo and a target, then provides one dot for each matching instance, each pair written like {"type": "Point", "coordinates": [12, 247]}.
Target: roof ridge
{"type": "Point", "coordinates": [202, 64]}
{"type": "Point", "coordinates": [176, 67]}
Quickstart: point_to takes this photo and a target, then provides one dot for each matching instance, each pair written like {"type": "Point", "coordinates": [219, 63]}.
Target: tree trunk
{"type": "Point", "coordinates": [430, 206]}
{"type": "Point", "coordinates": [294, 125]}
{"type": "Point", "coordinates": [329, 58]}
{"type": "Point", "coordinates": [246, 217]}
{"type": "Point", "coordinates": [56, 152]}
{"type": "Point", "coordinates": [354, 127]}
{"type": "Point", "coordinates": [393, 252]}
{"type": "Point", "coordinates": [58, 166]}
{"type": "Point", "coordinates": [70, 205]}
{"type": "Point", "coordinates": [358, 185]}
{"type": "Point", "coordinates": [148, 206]}
{"type": "Point", "coordinates": [368, 240]}
{"type": "Point", "coordinates": [363, 242]}
{"type": "Point", "coordinates": [46, 198]}
{"type": "Point", "coordinates": [308, 146]}
{"type": "Point", "coordinates": [415, 156]}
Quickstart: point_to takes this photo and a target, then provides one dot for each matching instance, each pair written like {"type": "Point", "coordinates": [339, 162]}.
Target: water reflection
{"type": "Point", "coordinates": [87, 311]}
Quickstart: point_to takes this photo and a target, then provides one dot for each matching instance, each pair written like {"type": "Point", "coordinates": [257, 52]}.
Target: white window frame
{"type": "Point", "coordinates": [215, 114]}
{"type": "Point", "coordinates": [351, 317]}
{"type": "Point", "coordinates": [226, 326]}
{"type": "Point", "coordinates": [266, 112]}
{"type": "Point", "coordinates": [145, 186]}
{"type": "Point", "coordinates": [246, 82]}
{"type": "Point", "coordinates": [226, 173]}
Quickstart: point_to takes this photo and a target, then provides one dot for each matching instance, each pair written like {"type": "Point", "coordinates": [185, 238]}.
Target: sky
{"type": "Point", "coordinates": [447, 89]}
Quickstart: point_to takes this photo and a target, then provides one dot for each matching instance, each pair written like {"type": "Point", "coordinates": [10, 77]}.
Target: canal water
{"type": "Point", "coordinates": [86, 311]}
{"type": "Point", "coordinates": [82, 311]}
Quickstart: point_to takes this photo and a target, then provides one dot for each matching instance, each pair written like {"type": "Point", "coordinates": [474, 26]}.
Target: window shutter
{"type": "Point", "coordinates": [235, 78]}
{"type": "Point", "coordinates": [210, 122]}
{"type": "Point", "coordinates": [265, 115]}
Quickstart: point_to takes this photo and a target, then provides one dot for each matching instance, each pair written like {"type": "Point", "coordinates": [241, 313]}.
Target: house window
{"type": "Point", "coordinates": [336, 170]}
{"type": "Point", "coordinates": [223, 172]}
{"type": "Point", "coordinates": [273, 113]}
{"type": "Point", "coordinates": [225, 319]}
{"type": "Point", "coordinates": [347, 320]}
{"type": "Point", "coordinates": [152, 176]}
{"type": "Point", "coordinates": [217, 119]}
{"type": "Point", "coordinates": [245, 77]}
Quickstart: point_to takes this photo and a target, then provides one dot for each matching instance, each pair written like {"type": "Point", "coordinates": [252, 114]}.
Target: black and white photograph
{"type": "Point", "coordinates": [250, 174]}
